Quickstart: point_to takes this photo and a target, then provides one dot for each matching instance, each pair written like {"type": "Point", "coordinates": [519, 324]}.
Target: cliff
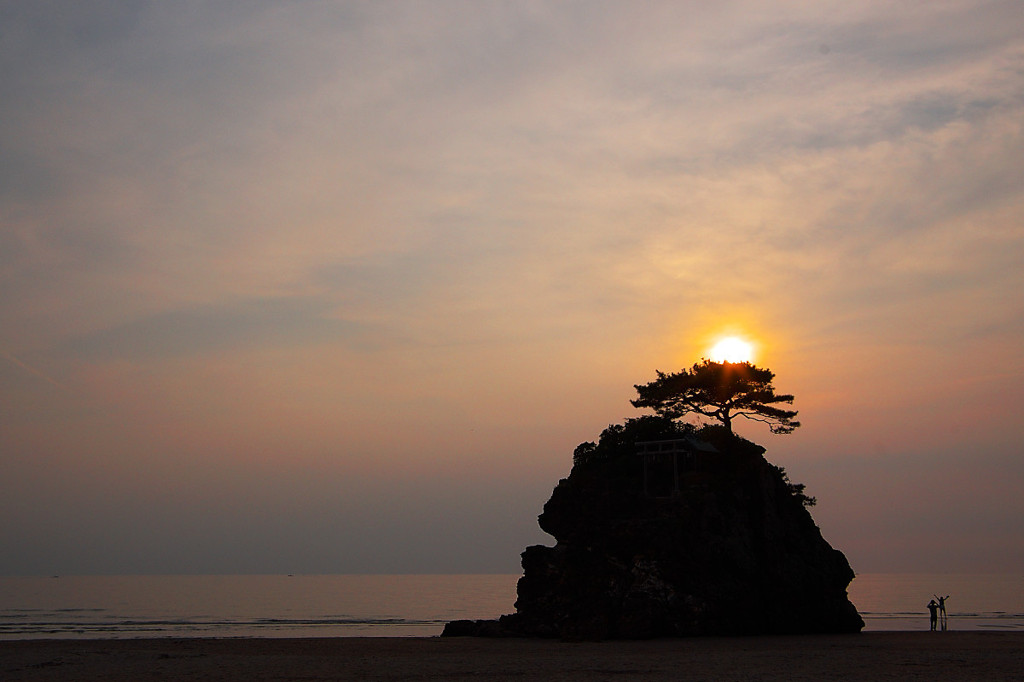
{"type": "Point", "coordinates": [715, 541]}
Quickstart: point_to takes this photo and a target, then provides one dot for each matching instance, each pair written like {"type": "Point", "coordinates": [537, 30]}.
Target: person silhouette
{"type": "Point", "coordinates": [942, 609]}
{"type": "Point", "coordinates": [933, 609]}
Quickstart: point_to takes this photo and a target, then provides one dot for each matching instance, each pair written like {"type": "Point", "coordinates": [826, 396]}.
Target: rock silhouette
{"type": "Point", "coordinates": [707, 538]}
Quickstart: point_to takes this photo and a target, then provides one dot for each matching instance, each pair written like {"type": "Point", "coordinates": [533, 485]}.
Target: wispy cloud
{"type": "Point", "coordinates": [32, 370]}
{"type": "Point", "coordinates": [503, 213]}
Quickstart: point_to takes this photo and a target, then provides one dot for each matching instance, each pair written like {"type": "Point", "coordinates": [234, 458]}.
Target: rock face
{"type": "Point", "coordinates": [717, 544]}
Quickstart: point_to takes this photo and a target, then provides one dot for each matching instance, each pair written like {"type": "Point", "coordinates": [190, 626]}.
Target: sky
{"type": "Point", "coordinates": [337, 287]}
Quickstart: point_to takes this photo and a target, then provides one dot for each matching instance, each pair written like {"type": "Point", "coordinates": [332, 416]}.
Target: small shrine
{"type": "Point", "coordinates": [665, 460]}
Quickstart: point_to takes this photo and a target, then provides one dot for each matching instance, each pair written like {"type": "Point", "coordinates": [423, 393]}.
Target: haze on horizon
{"type": "Point", "coordinates": [337, 287]}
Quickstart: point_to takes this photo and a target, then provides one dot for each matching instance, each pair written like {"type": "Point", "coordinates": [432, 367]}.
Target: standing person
{"type": "Point", "coordinates": [933, 609]}
{"type": "Point", "coordinates": [942, 609]}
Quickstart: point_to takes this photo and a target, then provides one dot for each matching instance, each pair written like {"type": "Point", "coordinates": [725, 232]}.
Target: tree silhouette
{"type": "Point", "coordinates": [722, 390]}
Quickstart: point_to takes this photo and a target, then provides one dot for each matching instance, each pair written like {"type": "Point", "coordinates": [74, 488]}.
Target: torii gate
{"type": "Point", "coordinates": [687, 448]}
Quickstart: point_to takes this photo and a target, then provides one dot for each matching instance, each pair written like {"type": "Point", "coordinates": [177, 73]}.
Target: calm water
{"type": "Point", "coordinates": [400, 606]}
{"type": "Point", "coordinates": [898, 601]}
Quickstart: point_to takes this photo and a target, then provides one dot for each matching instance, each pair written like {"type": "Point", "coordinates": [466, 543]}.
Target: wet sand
{"type": "Point", "coordinates": [946, 656]}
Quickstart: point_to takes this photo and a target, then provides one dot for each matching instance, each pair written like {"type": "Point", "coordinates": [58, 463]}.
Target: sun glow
{"type": "Point", "coordinates": [732, 349]}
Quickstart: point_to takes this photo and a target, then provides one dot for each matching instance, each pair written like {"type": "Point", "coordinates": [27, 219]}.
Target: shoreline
{"type": "Point", "coordinates": [950, 656]}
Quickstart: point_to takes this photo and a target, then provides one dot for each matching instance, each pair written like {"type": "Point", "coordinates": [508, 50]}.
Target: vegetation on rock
{"type": "Point", "coordinates": [722, 391]}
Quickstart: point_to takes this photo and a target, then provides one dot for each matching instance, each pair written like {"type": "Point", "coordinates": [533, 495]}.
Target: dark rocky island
{"type": "Point", "coordinates": [664, 529]}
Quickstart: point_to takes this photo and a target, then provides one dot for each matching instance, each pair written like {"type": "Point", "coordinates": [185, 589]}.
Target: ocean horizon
{"type": "Point", "coordinates": [300, 605]}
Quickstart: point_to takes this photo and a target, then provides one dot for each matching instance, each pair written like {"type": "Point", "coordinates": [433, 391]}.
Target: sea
{"type": "Point", "coordinates": [136, 606]}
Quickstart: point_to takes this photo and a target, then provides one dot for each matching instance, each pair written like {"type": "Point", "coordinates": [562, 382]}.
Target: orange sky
{"type": "Point", "coordinates": [338, 287]}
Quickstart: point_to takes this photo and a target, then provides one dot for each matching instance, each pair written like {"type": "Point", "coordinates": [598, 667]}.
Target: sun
{"type": "Point", "coordinates": [732, 349]}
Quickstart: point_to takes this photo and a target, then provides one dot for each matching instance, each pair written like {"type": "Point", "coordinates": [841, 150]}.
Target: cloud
{"type": "Point", "coordinates": [228, 327]}
{"type": "Point", "coordinates": [303, 224]}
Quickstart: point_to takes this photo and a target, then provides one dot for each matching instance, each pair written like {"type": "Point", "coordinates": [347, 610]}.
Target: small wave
{"type": "Point", "coordinates": [178, 627]}
{"type": "Point", "coordinates": [4, 611]}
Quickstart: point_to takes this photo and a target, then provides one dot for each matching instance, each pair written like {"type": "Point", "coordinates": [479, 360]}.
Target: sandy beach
{"type": "Point", "coordinates": [948, 656]}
